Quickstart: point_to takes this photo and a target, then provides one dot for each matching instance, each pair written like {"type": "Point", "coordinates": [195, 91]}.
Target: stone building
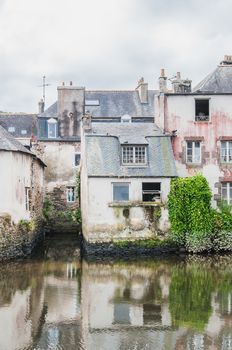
{"type": "Point", "coordinates": [200, 121]}
{"type": "Point", "coordinates": [21, 176]}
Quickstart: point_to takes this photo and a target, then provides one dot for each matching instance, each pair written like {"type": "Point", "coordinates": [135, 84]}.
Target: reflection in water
{"type": "Point", "coordinates": [160, 304]}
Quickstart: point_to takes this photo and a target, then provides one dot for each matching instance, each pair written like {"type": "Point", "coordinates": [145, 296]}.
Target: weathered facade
{"type": "Point", "coordinates": [200, 122]}
{"type": "Point", "coordinates": [21, 184]}
{"type": "Point", "coordinates": [125, 179]}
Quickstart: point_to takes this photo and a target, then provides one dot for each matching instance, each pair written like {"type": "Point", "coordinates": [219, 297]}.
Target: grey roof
{"type": "Point", "coordinates": [24, 124]}
{"type": "Point", "coordinates": [219, 81]}
{"type": "Point", "coordinates": [103, 151]}
{"type": "Point", "coordinates": [113, 104]}
{"type": "Point", "coordinates": [9, 143]}
{"type": "Point", "coordinates": [117, 103]}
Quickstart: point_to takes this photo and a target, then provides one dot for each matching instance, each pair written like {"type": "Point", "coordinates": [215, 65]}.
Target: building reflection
{"type": "Point", "coordinates": [161, 304]}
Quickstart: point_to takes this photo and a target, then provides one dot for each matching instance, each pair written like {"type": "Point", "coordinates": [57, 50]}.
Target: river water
{"type": "Point", "coordinates": [61, 302]}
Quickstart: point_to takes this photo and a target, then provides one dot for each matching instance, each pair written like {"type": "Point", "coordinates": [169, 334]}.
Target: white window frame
{"type": "Point", "coordinates": [227, 186]}
{"type": "Point", "coordinates": [27, 198]}
{"type": "Point", "coordinates": [193, 152]}
{"type": "Point", "coordinates": [120, 184]}
{"type": "Point", "coordinates": [227, 154]}
{"type": "Point", "coordinates": [134, 163]}
{"type": "Point", "coordinates": [67, 194]}
{"type": "Point", "coordinates": [52, 123]}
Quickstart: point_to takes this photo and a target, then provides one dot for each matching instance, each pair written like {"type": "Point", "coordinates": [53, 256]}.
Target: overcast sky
{"type": "Point", "coordinates": [106, 44]}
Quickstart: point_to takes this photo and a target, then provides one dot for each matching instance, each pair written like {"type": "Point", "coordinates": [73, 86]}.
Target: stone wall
{"type": "Point", "coordinates": [18, 240]}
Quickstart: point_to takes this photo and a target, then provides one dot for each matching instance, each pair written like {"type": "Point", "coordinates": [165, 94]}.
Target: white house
{"type": "Point", "coordinates": [21, 179]}
{"type": "Point", "coordinates": [125, 179]}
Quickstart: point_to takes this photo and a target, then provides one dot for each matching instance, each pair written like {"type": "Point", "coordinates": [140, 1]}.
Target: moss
{"type": "Point", "coordinates": [146, 243]}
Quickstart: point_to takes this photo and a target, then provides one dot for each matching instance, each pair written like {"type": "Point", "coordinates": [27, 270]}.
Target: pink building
{"type": "Point", "coordinates": [200, 122]}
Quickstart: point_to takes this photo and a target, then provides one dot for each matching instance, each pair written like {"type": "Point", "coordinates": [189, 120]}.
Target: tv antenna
{"type": "Point", "coordinates": [44, 87]}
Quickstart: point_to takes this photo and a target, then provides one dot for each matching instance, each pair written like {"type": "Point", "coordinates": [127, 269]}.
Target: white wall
{"type": "Point", "coordinates": [103, 222]}
{"type": "Point", "coordinates": [15, 175]}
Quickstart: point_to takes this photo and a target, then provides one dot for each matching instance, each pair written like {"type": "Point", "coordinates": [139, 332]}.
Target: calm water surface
{"type": "Point", "coordinates": [154, 304]}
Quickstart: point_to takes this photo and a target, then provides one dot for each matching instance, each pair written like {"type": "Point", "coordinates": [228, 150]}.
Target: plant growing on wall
{"type": "Point", "coordinates": [190, 213]}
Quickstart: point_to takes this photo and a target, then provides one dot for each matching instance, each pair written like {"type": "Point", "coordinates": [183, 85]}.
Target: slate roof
{"type": "Point", "coordinates": [219, 81]}
{"type": "Point", "coordinates": [9, 143]}
{"type": "Point", "coordinates": [20, 122]}
{"type": "Point", "coordinates": [103, 150]}
{"type": "Point", "coordinates": [113, 104]}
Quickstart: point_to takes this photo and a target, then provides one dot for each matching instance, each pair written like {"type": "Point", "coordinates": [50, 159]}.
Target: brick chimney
{"type": "Point", "coordinates": [142, 89]}
{"type": "Point", "coordinates": [227, 61]}
{"type": "Point", "coordinates": [70, 109]}
{"type": "Point", "coordinates": [162, 81]}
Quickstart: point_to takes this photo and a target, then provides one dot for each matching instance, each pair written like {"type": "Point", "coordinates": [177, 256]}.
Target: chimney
{"type": "Point", "coordinates": [142, 89]}
{"type": "Point", "coordinates": [162, 81]}
{"type": "Point", "coordinates": [227, 61]}
{"type": "Point", "coordinates": [41, 106]}
{"type": "Point", "coordinates": [70, 108]}
{"type": "Point", "coordinates": [87, 121]}
{"type": "Point", "coordinates": [181, 85]}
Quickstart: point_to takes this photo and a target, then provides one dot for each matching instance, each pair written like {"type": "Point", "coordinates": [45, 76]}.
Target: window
{"type": "Point", "coordinates": [11, 129]}
{"type": "Point", "coordinates": [126, 118]}
{"type": "Point", "coordinates": [27, 198]}
{"type": "Point", "coordinates": [193, 152]}
{"type": "Point", "coordinates": [132, 155]}
{"type": "Point", "coordinates": [202, 110]}
{"type": "Point", "coordinates": [227, 192]}
{"type": "Point", "coordinates": [226, 151]}
{"type": "Point", "coordinates": [77, 158]}
{"type": "Point", "coordinates": [23, 132]}
{"type": "Point", "coordinates": [151, 191]}
{"type": "Point", "coordinates": [120, 192]}
{"type": "Point", "coordinates": [70, 194]}
{"type": "Point", "coordinates": [92, 102]}
{"type": "Point", "coordinates": [52, 128]}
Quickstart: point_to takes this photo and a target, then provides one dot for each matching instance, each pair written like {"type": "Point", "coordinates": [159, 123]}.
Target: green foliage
{"type": "Point", "coordinates": [190, 296]}
{"type": "Point", "coordinates": [78, 184]}
{"type": "Point", "coordinates": [190, 213]}
{"type": "Point", "coordinates": [27, 225]}
{"type": "Point", "coordinates": [145, 243]}
{"type": "Point", "coordinates": [48, 209]}
{"type": "Point", "coordinates": [72, 215]}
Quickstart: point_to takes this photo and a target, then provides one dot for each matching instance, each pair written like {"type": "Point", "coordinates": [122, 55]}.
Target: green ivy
{"type": "Point", "coordinates": [190, 213]}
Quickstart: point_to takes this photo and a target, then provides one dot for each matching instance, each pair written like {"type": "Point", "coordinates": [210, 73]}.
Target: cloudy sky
{"type": "Point", "coordinates": [106, 44]}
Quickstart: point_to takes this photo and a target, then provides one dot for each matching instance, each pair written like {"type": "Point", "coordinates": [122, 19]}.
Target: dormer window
{"type": "Point", "coordinates": [52, 128]}
{"type": "Point", "coordinates": [126, 118]}
{"type": "Point", "coordinates": [134, 155]}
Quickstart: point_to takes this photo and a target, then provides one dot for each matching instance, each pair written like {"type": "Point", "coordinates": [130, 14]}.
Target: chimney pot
{"type": "Point", "coordinates": [178, 76]}
{"type": "Point", "coordinates": [71, 83]}
{"type": "Point", "coordinates": [162, 72]}
{"type": "Point", "coordinates": [41, 106]}
{"type": "Point", "coordinates": [63, 84]}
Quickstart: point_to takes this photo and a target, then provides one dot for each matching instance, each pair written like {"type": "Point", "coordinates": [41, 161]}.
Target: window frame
{"type": "Point", "coordinates": [52, 123]}
{"type": "Point", "coordinates": [227, 153]}
{"type": "Point", "coordinates": [193, 152]}
{"type": "Point", "coordinates": [195, 107]}
{"type": "Point", "coordinates": [228, 198]}
{"type": "Point", "coordinates": [75, 154]}
{"type": "Point", "coordinates": [154, 192]}
{"type": "Point", "coordinates": [28, 198]}
{"type": "Point", "coordinates": [134, 163]}
{"type": "Point", "coordinates": [67, 194]}
{"type": "Point", "coordinates": [115, 184]}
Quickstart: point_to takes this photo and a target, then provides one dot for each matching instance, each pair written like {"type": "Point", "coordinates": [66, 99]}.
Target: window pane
{"type": "Point", "coordinates": [197, 152]}
{"type": "Point", "coordinates": [134, 154]}
{"type": "Point", "coordinates": [77, 159]}
{"type": "Point", "coordinates": [52, 130]}
{"type": "Point", "coordinates": [224, 191]}
{"type": "Point", "coordinates": [120, 192]}
{"type": "Point", "coordinates": [70, 194]}
{"type": "Point", "coordinates": [189, 152]}
{"type": "Point", "coordinates": [223, 151]}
